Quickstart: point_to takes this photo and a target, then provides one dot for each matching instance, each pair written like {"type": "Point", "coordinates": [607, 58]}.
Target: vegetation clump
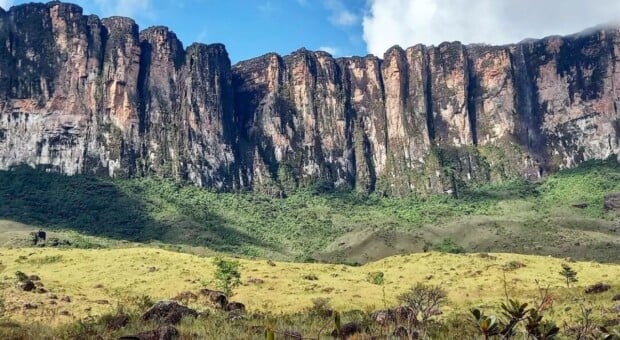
{"type": "Point", "coordinates": [513, 265]}
{"type": "Point", "coordinates": [375, 278]}
{"type": "Point", "coordinates": [448, 246]}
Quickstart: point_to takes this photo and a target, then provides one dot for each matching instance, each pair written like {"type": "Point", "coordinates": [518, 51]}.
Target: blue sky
{"type": "Point", "coordinates": [250, 28]}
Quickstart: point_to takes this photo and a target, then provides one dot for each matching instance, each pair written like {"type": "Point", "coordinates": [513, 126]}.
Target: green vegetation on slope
{"type": "Point", "coordinates": [515, 216]}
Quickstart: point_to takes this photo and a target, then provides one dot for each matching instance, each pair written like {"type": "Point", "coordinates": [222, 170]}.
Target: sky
{"type": "Point", "coordinates": [250, 28]}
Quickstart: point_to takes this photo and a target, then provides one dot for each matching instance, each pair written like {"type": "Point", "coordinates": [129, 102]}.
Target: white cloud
{"type": "Point", "coordinates": [340, 15]}
{"type": "Point", "coordinates": [6, 3]}
{"type": "Point", "coordinates": [128, 8]}
{"type": "Point", "coordinates": [408, 22]}
{"type": "Point", "coordinates": [329, 49]}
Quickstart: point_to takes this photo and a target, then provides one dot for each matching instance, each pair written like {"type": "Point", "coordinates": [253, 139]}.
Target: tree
{"type": "Point", "coordinates": [569, 274]}
{"type": "Point", "coordinates": [227, 275]}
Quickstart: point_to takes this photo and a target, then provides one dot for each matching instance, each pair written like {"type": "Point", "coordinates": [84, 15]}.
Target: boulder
{"type": "Point", "coordinates": [38, 238]}
{"type": "Point", "coordinates": [217, 298]}
{"type": "Point", "coordinates": [161, 333]}
{"type": "Point", "coordinates": [616, 297]}
{"type": "Point", "coordinates": [34, 278]}
{"type": "Point", "coordinates": [26, 285]}
{"type": "Point", "coordinates": [237, 307]}
{"type": "Point", "coordinates": [348, 330]}
{"type": "Point", "coordinates": [65, 299]}
{"type": "Point", "coordinates": [616, 308]}
{"type": "Point", "coordinates": [168, 312]}
{"type": "Point", "coordinates": [597, 288]}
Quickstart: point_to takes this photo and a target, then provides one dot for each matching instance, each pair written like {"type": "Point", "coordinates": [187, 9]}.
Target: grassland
{"type": "Point", "coordinates": [515, 216]}
{"type": "Point", "coordinates": [136, 241]}
{"type": "Point", "coordinates": [122, 277]}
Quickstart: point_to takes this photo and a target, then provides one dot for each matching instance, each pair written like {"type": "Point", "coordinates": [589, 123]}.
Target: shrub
{"type": "Point", "coordinates": [321, 307]}
{"type": "Point", "coordinates": [447, 245]}
{"type": "Point", "coordinates": [376, 278]}
{"type": "Point", "coordinates": [21, 277]}
{"type": "Point", "coordinates": [424, 301]}
{"type": "Point", "coordinates": [513, 265]}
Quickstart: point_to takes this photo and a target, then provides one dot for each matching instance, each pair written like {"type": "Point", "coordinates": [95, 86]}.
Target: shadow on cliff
{"type": "Point", "coordinates": [98, 207]}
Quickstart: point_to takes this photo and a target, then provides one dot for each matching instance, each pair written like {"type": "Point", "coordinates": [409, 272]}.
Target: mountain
{"type": "Point", "coordinates": [79, 94]}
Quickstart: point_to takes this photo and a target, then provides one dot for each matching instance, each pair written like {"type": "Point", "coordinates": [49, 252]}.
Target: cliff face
{"type": "Point", "coordinates": [84, 95]}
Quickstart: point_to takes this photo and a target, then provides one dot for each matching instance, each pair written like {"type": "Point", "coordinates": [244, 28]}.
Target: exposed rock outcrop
{"type": "Point", "coordinates": [79, 94]}
{"type": "Point", "coordinates": [168, 312]}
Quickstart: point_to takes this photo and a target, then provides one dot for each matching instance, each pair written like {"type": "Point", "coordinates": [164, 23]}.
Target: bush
{"type": "Point", "coordinates": [376, 278]}
{"type": "Point", "coordinates": [21, 277]}
{"type": "Point", "coordinates": [513, 265]}
{"type": "Point", "coordinates": [321, 307]}
{"type": "Point", "coordinates": [424, 301]}
{"type": "Point", "coordinates": [448, 246]}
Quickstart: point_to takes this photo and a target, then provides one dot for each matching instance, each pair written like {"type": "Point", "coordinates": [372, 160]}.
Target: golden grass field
{"type": "Point", "coordinates": [120, 275]}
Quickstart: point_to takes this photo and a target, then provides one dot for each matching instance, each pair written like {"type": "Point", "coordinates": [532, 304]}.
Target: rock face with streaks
{"type": "Point", "coordinates": [79, 94]}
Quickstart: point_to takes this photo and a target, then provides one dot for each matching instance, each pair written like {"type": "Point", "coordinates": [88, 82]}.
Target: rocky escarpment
{"type": "Point", "coordinates": [84, 95]}
{"type": "Point", "coordinates": [79, 94]}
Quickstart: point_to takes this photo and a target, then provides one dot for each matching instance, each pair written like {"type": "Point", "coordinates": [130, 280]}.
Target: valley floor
{"type": "Point", "coordinates": [101, 281]}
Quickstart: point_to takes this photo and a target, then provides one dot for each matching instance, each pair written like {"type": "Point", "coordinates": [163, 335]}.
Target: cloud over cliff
{"type": "Point", "coordinates": [408, 22]}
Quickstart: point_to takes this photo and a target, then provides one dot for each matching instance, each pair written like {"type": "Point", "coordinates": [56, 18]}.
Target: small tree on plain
{"type": "Point", "coordinates": [227, 275]}
{"type": "Point", "coordinates": [569, 274]}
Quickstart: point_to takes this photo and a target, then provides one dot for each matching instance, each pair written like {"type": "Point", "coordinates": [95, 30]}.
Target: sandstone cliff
{"type": "Point", "coordinates": [84, 95]}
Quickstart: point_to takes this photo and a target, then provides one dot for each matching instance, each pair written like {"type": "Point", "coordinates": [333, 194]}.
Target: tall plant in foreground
{"type": "Point", "coordinates": [515, 313]}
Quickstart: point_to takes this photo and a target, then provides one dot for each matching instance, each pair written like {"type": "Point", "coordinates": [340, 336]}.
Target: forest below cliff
{"type": "Point", "coordinates": [563, 216]}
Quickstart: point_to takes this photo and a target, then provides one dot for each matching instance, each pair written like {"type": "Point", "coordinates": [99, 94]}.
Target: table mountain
{"type": "Point", "coordinates": [84, 95]}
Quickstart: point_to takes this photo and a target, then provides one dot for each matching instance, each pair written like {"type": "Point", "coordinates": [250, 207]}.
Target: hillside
{"type": "Point", "coordinates": [122, 277]}
{"type": "Point", "coordinates": [562, 216]}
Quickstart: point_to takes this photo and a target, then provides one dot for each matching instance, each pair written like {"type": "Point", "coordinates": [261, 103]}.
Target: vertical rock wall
{"type": "Point", "coordinates": [84, 95]}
